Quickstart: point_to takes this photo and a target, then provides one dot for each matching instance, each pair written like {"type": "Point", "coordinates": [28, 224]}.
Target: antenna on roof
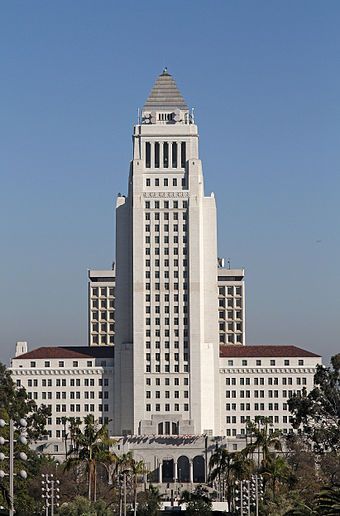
{"type": "Point", "coordinates": [229, 263]}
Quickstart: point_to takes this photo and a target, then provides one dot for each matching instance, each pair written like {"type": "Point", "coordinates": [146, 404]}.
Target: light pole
{"type": "Point", "coordinates": [50, 493]}
{"type": "Point", "coordinates": [22, 456]}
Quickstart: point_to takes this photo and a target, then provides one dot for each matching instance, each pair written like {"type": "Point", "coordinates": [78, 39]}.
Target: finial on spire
{"type": "Point", "coordinates": [165, 71]}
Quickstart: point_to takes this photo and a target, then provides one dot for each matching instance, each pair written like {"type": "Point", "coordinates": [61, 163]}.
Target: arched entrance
{"type": "Point", "coordinates": [168, 470]}
{"type": "Point", "coordinates": [199, 469]}
{"type": "Point", "coordinates": [183, 469]}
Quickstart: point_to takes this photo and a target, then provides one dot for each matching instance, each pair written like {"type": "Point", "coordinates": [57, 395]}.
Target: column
{"type": "Point", "coordinates": [191, 474]}
{"type": "Point", "coordinates": [175, 471]}
{"type": "Point", "coordinates": [160, 479]}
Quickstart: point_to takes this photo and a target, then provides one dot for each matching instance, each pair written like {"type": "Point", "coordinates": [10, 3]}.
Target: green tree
{"type": "Point", "coordinates": [328, 501]}
{"type": "Point", "coordinates": [15, 404]}
{"type": "Point", "coordinates": [81, 506]}
{"type": "Point", "coordinates": [226, 467]}
{"type": "Point", "coordinates": [91, 446]}
{"type": "Point", "coordinates": [149, 502]}
{"type": "Point", "coordinates": [317, 413]}
{"type": "Point", "coordinates": [265, 441]}
{"type": "Point", "coordinates": [197, 502]}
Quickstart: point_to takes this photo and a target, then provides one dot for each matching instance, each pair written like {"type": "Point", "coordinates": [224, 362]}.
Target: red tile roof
{"type": "Point", "coordinates": [264, 351]}
{"type": "Point", "coordinates": [52, 352]}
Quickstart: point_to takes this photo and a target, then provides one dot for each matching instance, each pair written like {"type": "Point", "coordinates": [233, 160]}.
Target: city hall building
{"type": "Point", "coordinates": [170, 317]}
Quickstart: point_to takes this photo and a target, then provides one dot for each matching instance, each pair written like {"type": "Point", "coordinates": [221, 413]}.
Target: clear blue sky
{"type": "Point", "coordinates": [264, 78]}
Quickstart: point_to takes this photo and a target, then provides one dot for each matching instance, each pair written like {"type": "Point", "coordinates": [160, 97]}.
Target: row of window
{"type": "Point", "coordinates": [103, 327]}
{"type": "Point", "coordinates": [157, 309]}
{"type": "Point", "coordinates": [104, 303]}
{"type": "Point", "coordinates": [62, 395]}
{"type": "Point", "coordinates": [166, 344]}
{"type": "Point", "coordinates": [166, 274]}
{"type": "Point", "coordinates": [244, 419]}
{"type": "Point", "coordinates": [166, 286]}
{"type": "Point", "coordinates": [174, 394]}
{"type": "Point", "coordinates": [165, 182]}
{"type": "Point", "coordinates": [175, 215]}
{"type": "Point", "coordinates": [62, 382]}
{"type": "Point", "coordinates": [270, 381]}
{"type": "Point", "coordinates": [231, 326]}
{"type": "Point", "coordinates": [233, 432]}
{"type": "Point", "coordinates": [166, 407]}
{"type": "Point", "coordinates": [165, 227]}
{"type": "Point", "coordinates": [166, 205]}
{"type": "Point", "coordinates": [257, 406]}
{"type": "Point", "coordinates": [272, 362]}
{"type": "Point", "coordinates": [166, 368]}
{"type": "Point", "coordinates": [157, 298]}
{"type": "Point", "coordinates": [167, 381]}
{"type": "Point", "coordinates": [260, 394]}
{"type": "Point", "coordinates": [103, 291]}
{"type": "Point", "coordinates": [104, 316]}
{"type": "Point", "coordinates": [230, 291]}
{"type": "Point", "coordinates": [166, 333]}
{"type": "Point", "coordinates": [166, 239]}
{"type": "Point", "coordinates": [104, 339]}
{"type": "Point", "coordinates": [165, 154]}
{"type": "Point", "coordinates": [166, 321]}
{"type": "Point", "coordinates": [230, 338]}
{"type": "Point", "coordinates": [166, 357]}
{"type": "Point", "coordinates": [230, 314]}
{"type": "Point", "coordinates": [229, 302]}
{"type": "Point", "coordinates": [61, 363]}
{"type": "Point", "coordinates": [166, 262]}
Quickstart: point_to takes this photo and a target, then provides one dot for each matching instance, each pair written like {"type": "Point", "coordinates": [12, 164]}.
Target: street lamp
{"type": "Point", "coordinates": [50, 493]}
{"type": "Point", "coordinates": [21, 426]}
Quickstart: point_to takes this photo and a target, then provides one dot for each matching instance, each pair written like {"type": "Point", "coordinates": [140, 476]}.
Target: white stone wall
{"type": "Point", "coordinates": [261, 386]}
{"type": "Point", "coordinates": [70, 387]}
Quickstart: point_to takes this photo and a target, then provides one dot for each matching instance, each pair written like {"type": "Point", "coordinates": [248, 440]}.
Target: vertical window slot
{"type": "Point", "coordinates": [148, 154]}
{"type": "Point", "coordinates": [166, 155]}
{"type": "Point", "coordinates": [174, 155]}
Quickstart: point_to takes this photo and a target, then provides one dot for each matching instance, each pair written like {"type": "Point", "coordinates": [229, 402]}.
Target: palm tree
{"type": "Point", "coordinates": [228, 467]}
{"type": "Point", "coordinates": [328, 501]}
{"type": "Point", "coordinates": [91, 446]}
{"type": "Point", "coordinates": [137, 469]}
{"type": "Point", "coordinates": [277, 470]}
{"type": "Point", "coordinates": [264, 440]}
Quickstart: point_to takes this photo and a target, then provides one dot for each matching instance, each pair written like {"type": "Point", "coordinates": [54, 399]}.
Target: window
{"type": "Point", "coordinates": [174, 182]}
{"type": "Point", "coordinates": [148, 154]}
{"type": "Point", "coordinates": [157, 155]}
{"type": "Point", "coordinates": [47, 363]}
{"type": "Point", "coordinates": [258, 362]}
{"type": "Point", "coordinates": [272, 362]}
{"type": "Point", "coordinates": [183, 154]}
{"type": "Point", "coordinates": [174, 155]}
{"type": "Point", "coordinates": [75, 363]}
{"type": "Point", "coordinates": [165, 155]}
{"type": "Point", "coordinates": [286, 362]}
{"type": "Point", "coordinates": [300, 362]}
{"type": "Point", "coordinates": [244, 362]}
{"type": "Point", "coordinates": [61, 363]}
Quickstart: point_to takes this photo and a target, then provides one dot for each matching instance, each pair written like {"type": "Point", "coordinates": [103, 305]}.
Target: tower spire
{"type": "Point", "coordinates": [165, 94]}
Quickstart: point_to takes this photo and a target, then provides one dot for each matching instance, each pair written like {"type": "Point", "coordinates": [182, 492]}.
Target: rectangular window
{"type": "Point", "coordinates": [183, 155]}
{"type": "Point", "coordinates": [165, 155]}
{"type": "Point", "coordinates": [156, 155]}
{"type": "Point", "coordinates": [148, 154]}
{"type": "Point", "coordinates": [174, 155]}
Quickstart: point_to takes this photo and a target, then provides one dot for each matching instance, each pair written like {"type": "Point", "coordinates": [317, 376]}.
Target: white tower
{"type": "Point", "coordinates": [167, 342]}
